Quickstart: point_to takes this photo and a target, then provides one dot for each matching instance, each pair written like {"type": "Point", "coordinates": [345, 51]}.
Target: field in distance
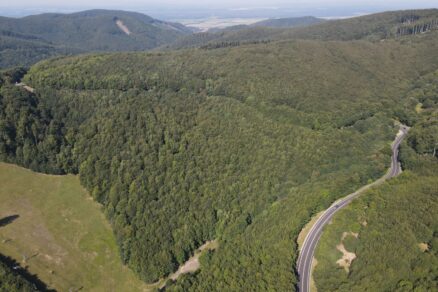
{"type": "Point", "coordinates": [205, 24]}
{"type": "Point", "coordinates": [60, 233]}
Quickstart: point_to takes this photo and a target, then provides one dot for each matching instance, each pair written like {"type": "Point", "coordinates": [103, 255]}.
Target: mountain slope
{"type": "Point", "coordinates": [24, 40]}
{"type": "Point", "coordinates": [402, 212]}
{"type": "Point", "coordinates": [373, 27]}
{"type": "Point", "coordinates": [74, 245]}
{"type": "Point", "coordinates": [241, 144]}
{"type": "Point", "coordinates": [97, 30]}
{"type": "Point", "coordinates": [23, 50]}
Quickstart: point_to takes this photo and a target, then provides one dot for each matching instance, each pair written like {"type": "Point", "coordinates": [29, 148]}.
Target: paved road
{"type": "Point", "coordinates": [305, 258]}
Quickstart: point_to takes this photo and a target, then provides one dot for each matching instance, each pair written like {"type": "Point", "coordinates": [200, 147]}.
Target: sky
{"type": "Point", "coordinates": [217, 3]}
{"type": "Point", "coordinates": [221, 8]}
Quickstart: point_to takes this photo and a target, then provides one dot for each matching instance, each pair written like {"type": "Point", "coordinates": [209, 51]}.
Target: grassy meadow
{"type": "Point", "coordinates": [60, 233]}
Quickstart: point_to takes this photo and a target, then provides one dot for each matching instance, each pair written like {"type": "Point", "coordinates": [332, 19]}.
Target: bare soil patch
{"type": "Point", "coordinates": [26, 87]}
{"type": "Point", "coordinates": [423, 246]}
{"type": "Point", "coordinates": [123, 27]}
{"type": "Point", "coordinates": [347, 257]}
{"type": "Point", "coordinates": [192, 264]}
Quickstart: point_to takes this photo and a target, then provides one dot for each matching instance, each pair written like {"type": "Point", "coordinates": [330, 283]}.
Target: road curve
{"type": "Point", "coordinates": [304, 264]}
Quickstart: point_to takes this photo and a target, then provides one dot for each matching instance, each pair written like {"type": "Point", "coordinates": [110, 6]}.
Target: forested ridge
{"type": "Point", "coordinates": [24, 41]}
{"type": "Point", "coordinates": [374, 27]}
{"type": "Point", "coordinates": [242, 144]}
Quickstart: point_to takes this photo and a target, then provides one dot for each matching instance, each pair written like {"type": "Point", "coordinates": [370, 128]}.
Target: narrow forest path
{"type": "Point", "coordinates": [190, 266]}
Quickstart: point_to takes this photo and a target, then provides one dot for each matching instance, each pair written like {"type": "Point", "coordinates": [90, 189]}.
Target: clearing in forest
{"type": "Point", "coordinates": [55, 229]}
{"type": "Point", "coordinates": [347, 257]}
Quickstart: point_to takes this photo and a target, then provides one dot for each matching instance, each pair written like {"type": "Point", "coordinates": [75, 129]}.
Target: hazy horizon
{"type": "Point", "coordinates": [190, 9]}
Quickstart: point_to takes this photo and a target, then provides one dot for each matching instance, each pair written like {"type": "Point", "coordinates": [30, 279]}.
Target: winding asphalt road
{"type": "Point", "coordinates": [305, 258]}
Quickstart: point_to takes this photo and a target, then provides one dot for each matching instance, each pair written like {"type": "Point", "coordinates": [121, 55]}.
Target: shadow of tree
{"type": "Point", "coordinates": [8, 220]}
{"type": "Point", "coordinates": [15, 266]}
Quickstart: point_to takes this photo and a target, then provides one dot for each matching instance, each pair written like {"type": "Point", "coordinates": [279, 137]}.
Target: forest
{"type": "Point", "coordinates": [27, 40]}
{"type": "Point", "coordinates": [240, 144]}
{"type": "Point", "coordinates": [375, 27]}
{"type": "Point", "coordinates": [24, 41]}
{"type": "Point", "coordinates": [395, 224]}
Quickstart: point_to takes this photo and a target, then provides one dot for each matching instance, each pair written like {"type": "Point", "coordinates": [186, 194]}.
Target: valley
{"type": "Point", "coordinates": [148, 156]}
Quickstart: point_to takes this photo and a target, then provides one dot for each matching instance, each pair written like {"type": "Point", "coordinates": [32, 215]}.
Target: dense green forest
{"type": "Point", "coordinates": [396, 223]}
{"type": "Point", "coordinates": [374, 27]}
{"type": "Point", "coordinates": [396, 248]}
{"type": "Point", "coordinates": [24, 41]}
{"type": "Point", "coordinates": [240, 144]}
{"type": "Point", "coordinates": [24, 50]}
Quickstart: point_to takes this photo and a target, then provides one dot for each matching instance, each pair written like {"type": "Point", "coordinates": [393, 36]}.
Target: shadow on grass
{"type": "Point", "coordinates": [17, 269]}
{"type": "Point", "coordinates": [8, 220]}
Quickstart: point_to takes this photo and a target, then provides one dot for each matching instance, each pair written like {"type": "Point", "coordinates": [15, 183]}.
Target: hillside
{"type": "Point", "coordinates": [59, 234]}
{"type": "Point", "coordinates": [24, 50]}
{"type": "Point", "coordinates": [401, 213]}
{"type": "Point", "coordinates": [375, 27]}
{"type": "Point", "coordinates": [26, 40]}
{"type": "Point", "coordinates": [372, 27]}
{"type": "Point", "coordinates": [241, 145]}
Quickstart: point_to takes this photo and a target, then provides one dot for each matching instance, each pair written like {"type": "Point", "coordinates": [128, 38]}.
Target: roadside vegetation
{"type": "Point", "coordinates": [396, 247]}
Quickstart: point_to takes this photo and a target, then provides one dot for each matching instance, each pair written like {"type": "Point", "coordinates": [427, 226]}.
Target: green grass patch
{"type": "Point", "coordinates": [60, 234]}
